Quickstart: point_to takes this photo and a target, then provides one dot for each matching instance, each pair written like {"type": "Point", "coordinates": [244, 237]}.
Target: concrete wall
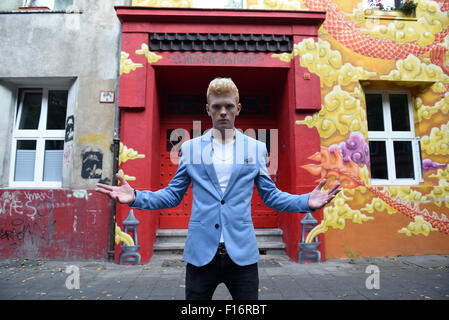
{"type": "Point", "coordinates": [79, 47]}
{"type": "Point", "coordinates": [7, 101]}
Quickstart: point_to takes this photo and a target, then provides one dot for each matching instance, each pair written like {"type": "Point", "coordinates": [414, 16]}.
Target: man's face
{"type": "Point", "coordinates": [223, 109]}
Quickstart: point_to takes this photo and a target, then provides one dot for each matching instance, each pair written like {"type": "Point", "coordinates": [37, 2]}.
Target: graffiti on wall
{"type": "Point", "coordinates": [95, 139]}
{"type": "Point", "coordinates": [22, 214]}
{"type": "Point", "coordinates": [92, 156]}
{"type": "Point", "coordinates": [92, 164]}
{"type": "Point", "coordinates": [48, 223]}
{"type": "Point", "coordinates": [69, 128]}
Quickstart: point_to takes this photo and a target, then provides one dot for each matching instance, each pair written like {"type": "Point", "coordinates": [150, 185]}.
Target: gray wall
{"type": "Point", "coordinates": [80, 48]}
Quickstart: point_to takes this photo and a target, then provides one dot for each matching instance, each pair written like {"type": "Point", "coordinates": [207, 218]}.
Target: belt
{"type": "Point", "coordinates": [221, 249]}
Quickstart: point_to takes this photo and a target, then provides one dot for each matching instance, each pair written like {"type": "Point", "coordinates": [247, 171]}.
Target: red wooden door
{"type": "Point", "coordinates": [172, 136]}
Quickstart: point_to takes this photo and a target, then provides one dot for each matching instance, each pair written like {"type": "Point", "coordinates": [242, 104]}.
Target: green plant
{"type": "Point", "coordinates": [350, 254]}
{"type": "Point", "coordinates": [408, 7]}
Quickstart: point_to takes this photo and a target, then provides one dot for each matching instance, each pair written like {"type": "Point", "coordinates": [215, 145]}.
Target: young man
{"type": "Point", "coordinates": [223, 165]}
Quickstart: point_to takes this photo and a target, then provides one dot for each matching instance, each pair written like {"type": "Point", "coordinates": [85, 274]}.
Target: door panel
{"type": "Point", "coordinates": [172, 137]}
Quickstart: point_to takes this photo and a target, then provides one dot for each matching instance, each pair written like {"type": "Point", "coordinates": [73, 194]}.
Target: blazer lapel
{"type": "Point", "coordinates": [206, 156]}
{"type": "Point", "coordinates": [240, 153]}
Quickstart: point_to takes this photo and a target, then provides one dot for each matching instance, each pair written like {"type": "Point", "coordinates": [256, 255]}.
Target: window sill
{"type": "Point", "coordinates": [395, 183]}
{"type": "Point", "coordinates": [56, 185]}
{"type": "Point", "coordinates": [389, 15]}
{"type": "Point", "coordinates": [32, 10]}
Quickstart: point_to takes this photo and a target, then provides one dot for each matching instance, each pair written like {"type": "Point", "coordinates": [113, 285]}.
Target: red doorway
{"type": "Point", "coordinates": [173, 53]}
{"type": "Point", "coordinates": [182, 99]}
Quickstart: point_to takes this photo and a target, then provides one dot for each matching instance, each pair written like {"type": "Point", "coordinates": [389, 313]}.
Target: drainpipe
{"type": "Point", "coordinates": [116, 150]}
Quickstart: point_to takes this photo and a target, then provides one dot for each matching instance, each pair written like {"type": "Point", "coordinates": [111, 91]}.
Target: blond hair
{"type": "Point", "coordinates": [220, 86]}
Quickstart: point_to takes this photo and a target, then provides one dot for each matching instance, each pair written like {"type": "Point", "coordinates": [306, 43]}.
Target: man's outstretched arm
{"type": "Point", "coordinates": [286, 202]}
{"type": "Point", "coordinates": [123, 194]}
{"type": "Point", "coordinates": [168, 197]}
{"type": "Point", "coordinates": [318, 198]}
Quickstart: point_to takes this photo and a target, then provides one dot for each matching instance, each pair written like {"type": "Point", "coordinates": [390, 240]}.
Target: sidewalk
{"type": "Point", "coordinates": [410, 278]}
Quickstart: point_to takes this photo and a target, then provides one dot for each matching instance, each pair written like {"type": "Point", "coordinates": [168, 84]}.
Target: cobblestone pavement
{"type": "Point", "coordinates": [408, 278]}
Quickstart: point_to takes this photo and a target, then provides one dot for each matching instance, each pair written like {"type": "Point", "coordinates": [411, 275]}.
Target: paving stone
{"type": "Point", "coordinates": [410, 278]}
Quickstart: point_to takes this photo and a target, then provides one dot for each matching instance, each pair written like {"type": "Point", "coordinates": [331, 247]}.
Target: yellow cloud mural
{"type": "Point", "coordinates": [442, 174]}
{"type": "Point", "coordinates": [430, 21]}
{"type": "Point", "coordinates": [340, 113]}
{"type": "Point", "coordinates": [151, 56]}
{"type": "Point", "coordinates": [440, 194]}
{"type": "Point", "coordinates": [411, 68]}
{"type": "Point", "coordinates": [437, 143]}
{"type": "Point", "coordinates": [419, 226]}
{"type": "Point", "coordinates": [319, 58]}
{"type": "Point", "coordinates": [127, 65]}
{"type": "Point", "coordinates": [126, 154]}
{"type": "Point", "coordinates": [121, 236]}
{"type": "Point", "coordinates": [125, 176]}
{"type": "Point", "coordinates": [426, 112]}
{"type": "Point", "coordinates": [335, 217]}
{"type": "Point", "coordinates": [377, 205]}
{"type": "Point", "coordinates": [405, 193]}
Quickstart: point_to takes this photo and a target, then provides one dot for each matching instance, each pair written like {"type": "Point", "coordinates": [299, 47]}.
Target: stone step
{"type": "Point", "coordinates": [171, 235]}
{"type": "Point", "coordinates": [172, 241]}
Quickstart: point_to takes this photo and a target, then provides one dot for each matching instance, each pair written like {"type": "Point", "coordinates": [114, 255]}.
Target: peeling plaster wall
{"type": "Point", "coordinates": [79, 47]}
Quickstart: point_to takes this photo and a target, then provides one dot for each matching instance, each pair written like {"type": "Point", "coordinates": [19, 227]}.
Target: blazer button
{"type": "Point", "coordinates": [217, 226]}
{"type": "Point", "coordinates": [222, 202]}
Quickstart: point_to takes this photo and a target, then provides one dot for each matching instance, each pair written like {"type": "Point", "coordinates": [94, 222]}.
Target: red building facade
{"type": "Point", "coordinates": [169, 56]}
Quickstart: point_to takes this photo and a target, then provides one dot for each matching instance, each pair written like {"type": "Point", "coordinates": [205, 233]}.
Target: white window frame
{"type": "Point", "coordinates": [40, 135]}
{"type": "Point", "coordinates": [389, 136]}
{"type": "Point", "coordinates": [388, 4]}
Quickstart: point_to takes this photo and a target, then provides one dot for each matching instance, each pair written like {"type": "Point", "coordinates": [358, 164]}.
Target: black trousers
{"type": "Point", "coordinates": [241, 281]}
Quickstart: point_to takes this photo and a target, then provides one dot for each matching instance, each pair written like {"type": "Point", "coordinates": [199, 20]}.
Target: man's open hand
{"type": "Point", "coordinates": [319, 199]}
{"type": "Point", "coordinates": [123, 194]}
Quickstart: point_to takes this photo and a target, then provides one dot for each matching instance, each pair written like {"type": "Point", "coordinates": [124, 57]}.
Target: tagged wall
{"type": "Point", "coordinates": [56, 224]}
{"type": "Point", "coordinates": [73, 222]}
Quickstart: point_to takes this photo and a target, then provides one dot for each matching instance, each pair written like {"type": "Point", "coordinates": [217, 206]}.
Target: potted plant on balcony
{"type": "Point", "coordinates": [407, 7]}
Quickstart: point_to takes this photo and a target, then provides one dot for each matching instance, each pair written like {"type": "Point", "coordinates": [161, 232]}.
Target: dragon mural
{"type": "Point", "coordinates": [359, 47]}
{"type": "Point", "coordinates": [419, 51]}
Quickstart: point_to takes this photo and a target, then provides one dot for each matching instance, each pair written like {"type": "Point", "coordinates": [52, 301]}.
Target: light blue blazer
{"type": "Point", "coordinates": [214, 211]}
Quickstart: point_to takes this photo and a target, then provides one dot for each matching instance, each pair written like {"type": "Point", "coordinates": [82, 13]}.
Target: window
{"type": "Point", "coordinates": [6, 5]}
{"type": "Point", "coordinates": [38, 138]}
{"type": "Point", "coordinates": [50, 4]}
{"type": "Point", "coordinates": [39, 3]}
{"type": "Point", "coordinates": [395, 156]}
{"type": "Point", "coordinates": [383, 4]}
{"type": "Point", "coordinates": [56, 5]}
